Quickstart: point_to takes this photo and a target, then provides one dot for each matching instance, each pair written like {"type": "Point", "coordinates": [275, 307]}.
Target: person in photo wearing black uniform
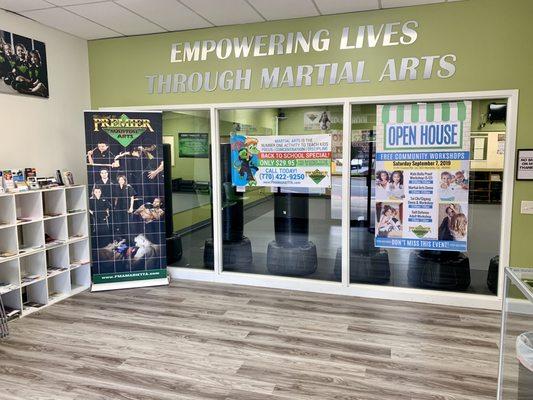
{"type": "Point", "coordinates": [105, 183]}
{"type": "Point", "coordinates": [445, 232]}
{"type": "Point", "coordinates": [124, 198]}
{"type": "Point", "coordinates": [21, 70]}
{"type": "Point", "coordinates": [99, 209]}
{"type": "Point", "coordinates": [37, 74]}
{"type": "Point", "coordinates": [7, 63]}
{"type": "Point", "coordinates": [101, 235]}
{"type": "Point", "coordinates": [101, 156]}
{"type": "Point", "coordinates": [138, 163]}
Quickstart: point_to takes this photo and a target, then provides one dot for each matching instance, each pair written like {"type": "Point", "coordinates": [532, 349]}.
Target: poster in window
{"type": "Point", "coordinates": [23, 65]}
{"type": "Point", "coordinates": [422, 176]}
{"type": "Point", "coordinates": [296, 161]}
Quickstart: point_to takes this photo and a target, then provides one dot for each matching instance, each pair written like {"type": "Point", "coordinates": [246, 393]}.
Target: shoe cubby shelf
{"type": "Point", "coordinates": [44, 247]}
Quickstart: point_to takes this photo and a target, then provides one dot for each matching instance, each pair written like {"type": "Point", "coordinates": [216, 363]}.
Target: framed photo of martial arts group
{"type": "Point", "coordinates": [23, 66]}
{"type": "Point", "coordinates": [126, 193]}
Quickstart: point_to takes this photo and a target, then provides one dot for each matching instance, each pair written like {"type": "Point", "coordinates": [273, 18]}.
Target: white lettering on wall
{"type": "Point", "coordinates": [353, 39]}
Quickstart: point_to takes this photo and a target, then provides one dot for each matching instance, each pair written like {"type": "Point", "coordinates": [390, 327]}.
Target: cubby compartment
{"type": "Point", "coordinates": [57, 260]}
{"type": "Point", "coordinates": [32, 268]}
{"type": "Point", "coordinates": [8, 243]}
{"type": "Point", "coordinates": [55, 231]}
{"type": "Point", "coordinates": [30, 237]}
{"type": "Point", "coordinates": [9, 276]}
{"type": "Point", "coordinates": [54, 203]}
{"type": "Point", "coordinates": [58, 287]}
{"type": "Point", "coordinates": [80, 278]}
{"type": "Point", "coordinates": [34, 296]}
{"type": "Point", "coordinates": [76, 201]}
{"type": "Point", "coordinates": [12, 303]}
{"type": "Point", "coordinates": [29, 206]}
{"type": "Point", "coordinates": [8, 215]}
{"type": "Point", "coordinates": [77, 226]}
{"type": "Point", "coordinates": [79, 253]}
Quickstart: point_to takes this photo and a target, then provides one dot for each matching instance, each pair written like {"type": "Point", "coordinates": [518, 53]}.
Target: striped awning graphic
{"type": "Point", "coordinates": [428, 112]}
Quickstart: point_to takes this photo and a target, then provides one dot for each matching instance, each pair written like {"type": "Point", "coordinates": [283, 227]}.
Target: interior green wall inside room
{"type": "Point", "coordinates": [489, 38]}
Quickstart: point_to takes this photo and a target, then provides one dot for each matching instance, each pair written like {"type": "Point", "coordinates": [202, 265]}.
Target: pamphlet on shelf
{"type": "Point", "coordinates": [6, 254]}
{"type": "Point", "coordinates": [6, 287]}
{"type": "Point", "coordinates": [55, 270]}
{"type": "Point", "coordinates": [32, 304]}
{"type": "Point", "coordinates": [9, 185]}
{"type": "Point", "coordinates": [11, 312]}
{"type": "Point", "coordinates": [51, 215]}
{"type": "Point", "coordinates": [59, 178]}
{"type": "Point", "coordinates": [68, 178]}
{"type": "Point", "coordinates": [19, 181]}
{"type": "Point", "coordinates": [30, 278]}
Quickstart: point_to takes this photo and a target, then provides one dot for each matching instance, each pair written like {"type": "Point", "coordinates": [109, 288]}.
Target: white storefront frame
{"type": "Point", "coordinates": [345, 287]}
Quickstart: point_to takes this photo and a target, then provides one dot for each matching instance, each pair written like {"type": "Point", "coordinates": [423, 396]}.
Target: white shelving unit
{"type": "Point", "coordinates": [44, 246]}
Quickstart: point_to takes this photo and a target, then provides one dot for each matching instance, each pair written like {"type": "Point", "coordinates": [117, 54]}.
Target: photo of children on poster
{"type": "Point", "coordinates": [23, 67]}
{"type": "Point", "coordinates": [421, 180]}
{"type": "Point", "coordinates": [125, 177]}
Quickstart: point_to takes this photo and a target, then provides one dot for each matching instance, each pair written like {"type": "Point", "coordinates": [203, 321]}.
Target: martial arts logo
{"type": "Point", "coordinates": [317, 176]}
{"type": "Point", "coordinates": [420, 231]}
{"type": "Point", "coordinates": [123, 129]}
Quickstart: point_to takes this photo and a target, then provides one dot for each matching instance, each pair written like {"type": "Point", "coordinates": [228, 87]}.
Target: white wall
{"type": "Point", "coordinates": [47, 134]}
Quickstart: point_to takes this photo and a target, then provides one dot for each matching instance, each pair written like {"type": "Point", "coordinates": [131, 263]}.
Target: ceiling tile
{"type": "Point", "coordinates": [224, 12]}
{"type": "Point", "coordinates": [62, 3]}
{"type": "Point", "coordinates": [24, 5]}
{"type": "Point", "coordinates": [116, 17]}
{"type": "Point", "coordinates": [403, 3]}
{"type": "Point", "coordinates": [345, 6]}
{"type": "Point", "coordinates": [283, 9]}
{"type": "Point", "coordinates": [170, 14]}
{"type": "Point", "coordinates": [71, 23]}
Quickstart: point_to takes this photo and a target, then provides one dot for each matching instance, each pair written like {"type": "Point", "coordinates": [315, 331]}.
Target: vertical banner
{"type": "Point", "coordinates": [126, 192]}
{"type": "Point", "coordinates": [422, 176]}
{"type": "Point", "coordinates": [282, 161]}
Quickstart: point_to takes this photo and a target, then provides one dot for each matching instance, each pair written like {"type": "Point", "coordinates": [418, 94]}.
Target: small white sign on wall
{"type": "Point", "coordinates": [524, 166]}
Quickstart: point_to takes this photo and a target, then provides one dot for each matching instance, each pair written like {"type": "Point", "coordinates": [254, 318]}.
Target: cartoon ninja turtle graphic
{"type": "Point", "coordinates": [245, 164]}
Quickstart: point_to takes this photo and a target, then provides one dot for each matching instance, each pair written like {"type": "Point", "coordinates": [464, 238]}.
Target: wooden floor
{"type": "Point", "coordinates": [211, 341]}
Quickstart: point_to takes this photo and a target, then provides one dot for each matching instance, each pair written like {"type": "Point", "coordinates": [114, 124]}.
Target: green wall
{"type": "Point", "coordinates": [175, 123]}
{"type": "Point", "coordinates": [491, 39]}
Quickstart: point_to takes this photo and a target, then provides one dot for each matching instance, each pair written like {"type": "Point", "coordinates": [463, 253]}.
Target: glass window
{"type": "Point", "coordinates": [421, 220]}
{"type": "Point", "coordinates": [281, 229]}
{"type": "Point", "coordinates": [188, 133]}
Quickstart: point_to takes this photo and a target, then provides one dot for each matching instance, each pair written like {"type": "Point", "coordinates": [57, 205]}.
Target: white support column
{"type": "Point", "coordinates": [346, 190]}
{"type": "Point", "coordinates": [508, 184]}
{"type": "Point", "coordinates": [215, 188]}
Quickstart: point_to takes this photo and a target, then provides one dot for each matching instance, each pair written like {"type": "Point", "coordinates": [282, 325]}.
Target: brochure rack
{"type": "Point", "coordinates": [44, 247]}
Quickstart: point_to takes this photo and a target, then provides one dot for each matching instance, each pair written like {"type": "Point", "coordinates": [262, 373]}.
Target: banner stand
{"type": "Point", "coordinates": [125, 175]}
{"type": "Point", "coordinates": [100, 287]}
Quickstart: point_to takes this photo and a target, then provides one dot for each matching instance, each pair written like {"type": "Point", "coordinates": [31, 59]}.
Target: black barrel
{"type": "Point", "coordinates": [291, 218]}
{"type": "Point", "coordinates": [232, 201]}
